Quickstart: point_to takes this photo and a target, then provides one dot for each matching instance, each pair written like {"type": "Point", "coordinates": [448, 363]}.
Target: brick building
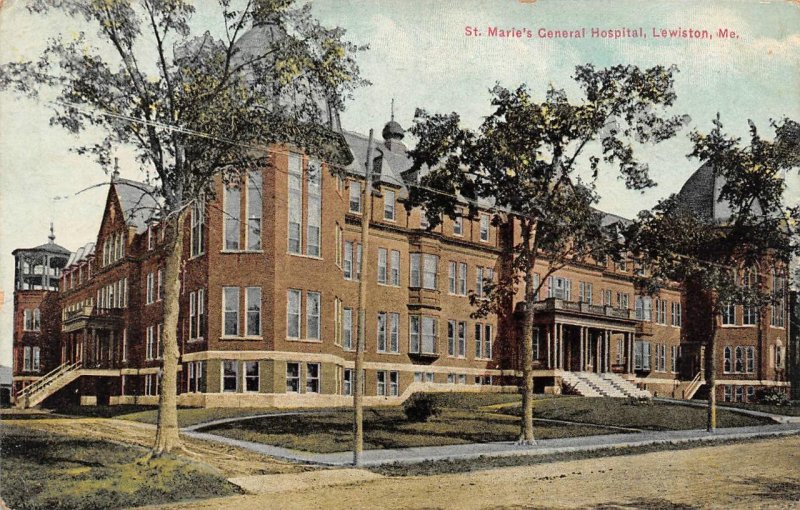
{"type": "Point", "coordinates": [269, 301]}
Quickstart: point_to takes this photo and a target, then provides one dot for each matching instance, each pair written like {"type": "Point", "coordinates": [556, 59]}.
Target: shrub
{"type": "Point", "coordinates": [420, 407]}
{"type": "Point", "coordinates": [772, 396]}
{"type": "Point", "coordinates": [569, 389]}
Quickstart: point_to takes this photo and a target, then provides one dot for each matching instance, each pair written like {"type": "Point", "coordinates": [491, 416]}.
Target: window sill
{"type": "Point", "coordinates": [197, 256]}
{"type": "Point", "coordinates": [195, 340]}
{"type": "Point", "coordinates": [389, 353]}
{"type": "Point", "coordinates": [304, 340]}
{"type": "Point", "coordinates": [228, 338]}
{"type": "Point", "coordinates": [304, 256]}
{"type": "Point", "coordinates": [235, 252]}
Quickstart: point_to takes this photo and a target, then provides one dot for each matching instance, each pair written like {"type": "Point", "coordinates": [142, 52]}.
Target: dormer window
{"type": "Point", "coordinates": [389, 205]}
{"type": "Point", "coordinates": [355, 197]}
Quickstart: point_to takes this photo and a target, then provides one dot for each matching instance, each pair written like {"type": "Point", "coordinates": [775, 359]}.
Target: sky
{"type": "Point", "coordinates": [420, 56]}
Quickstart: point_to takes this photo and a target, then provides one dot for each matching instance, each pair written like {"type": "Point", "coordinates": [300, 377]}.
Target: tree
{"type": "Point", "coordinates": [192, 106]}
{"type": "Point", "coordinates": [523, 163]}
{"type": "Point", "coordinates": [722, 260]}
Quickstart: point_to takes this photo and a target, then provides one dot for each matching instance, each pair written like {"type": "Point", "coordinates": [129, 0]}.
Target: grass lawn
{"type": "Point", "coordinates": [49, 471]}
{"type": "Point", "coordinates": [470, 418]}
{"type": "Point", "coordinates": [149, 414]}
{"type": "Point", "coordinates": [788, 410]}
{"type": "Point", "coordinates": [618, 412]}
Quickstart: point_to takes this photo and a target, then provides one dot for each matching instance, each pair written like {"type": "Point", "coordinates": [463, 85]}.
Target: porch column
{"type": "Point", "coordinates": [82, 345]}
{"type": "Point", "coordinates": [608, 352]}
{"type": "Point", "coordinates": [598, 360]}
{"type": "Point", "coordinates": [549, 347]}
{"type": "Point", "coordinates": [630, 352]}
{"type": "Point", "coordinates": [581, 360]}
{"type": "Point", "coordinates": [561, 347]}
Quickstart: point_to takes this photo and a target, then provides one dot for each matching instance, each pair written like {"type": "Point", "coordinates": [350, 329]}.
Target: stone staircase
{"type": "Point", "coordinates": [46, 386]}
{"type": "Point", "coordinates": [590, 384]}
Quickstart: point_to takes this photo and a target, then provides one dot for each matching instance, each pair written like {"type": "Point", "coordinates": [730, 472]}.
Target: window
{"type": "Point", "coordinates": [347, 329]}
{"type": "Point", "coordinates": [230, 296]}
{"type": "Point", "coordinates": [347, 267]}
{"type": "Point", "coordinates": [423, 219]}
{"type": "Point", "coordinates": [394, 332]}
{"type": "Point", "coordinates": [388, 205]}
{"type": "Point", "coordinates": [605, 297]}
{"type": "Point", "coordinates": [458, 225]}
{"type": "Point", "coordinates": [484, 233]}
{"type": "Point", "coordinates": [394, 384]}
{"type": "Point", "coordinates": [751, 394]}
{"type": "Point", "coordinates": [462, 378]}
{"type": "Point", "coordinates": [461, 287]}
{"type": "Point", "coordinates": [488, 340]}
{"type": "Point", "coordinates": [728, 314]}
{"type": "Point", "coordinates": [150, 297]}
{"type": "Point", "coordinates": [124, 344]}
{"type": "Point", "coordinates": [254, 207]}
{"type": "Point", "coordinates": [395, 275]}
{"type": "Point", "coordinates": [429, 271]}
{"type": "Point", "coordinates": [312, 316]}
{"type": "Point", "coordinates": [751, 360]}
{"type": "Point", "coordinates": [33, 320]}
{"type": "Point", "coordinates": [198, 222]}
{"type": "Point", "coordinates": [661, 311]}
{"type": "Point", "coordinates": [293, 314]}
{"type": "Point", "coordinates": [739, 359]}
{"type": "Point", "coordinates": [451, 277]}
{"type": "Point", "coordinates": [451, 338]}
{"type": "Point", "coordinates": [382, 332]}
{"type": "Point", "coordinates": [151, 385]}
{"type": "Point", "coordinates": [727, 360]}
{"type": "Point", "coordinates": [150, 346]}
{"type": "Point", "coordinates": [483, 275]}
{"type": "Point", "coordinates": [559, 287]}
{"type": "Point", "coordinates": [749, 315]}
{"type": "Point", "coordinates": [347, 382]}
{"type": "Point", "coordinates": [314, 213]}
{"type": "Point", "coordinates": [292, 377]}
{"type": "Point", "coordinates": [380, 377]}
{"type": "Point", "coordinates": [383, 269]}
{"type": "Point", "coordinates": [295, 203]}
{"type": "Point", "coordinates": [337, 321]}
{"type": "Point", "coordinates": [428, 335]}
{"type": "Point", "coordinates": [641, 351]}
{"type": "Point", "coordinates": [230, 376]}
{"type": "Point", "coordinates": [622, 300]}
{"type": "Point", "coordinates": [195, 371]}
{"type": "Point", "coordinates": [740, 394]}
{"type": "Point", "coordinates": [413, 334]}
{"type": "Point", "coordinates": [677, 314]}
{"type": "Point", "coordinates": [192, 315]}
{"type": "Point", "coordinates": [661, 358]}
{"type": "Point", "coordinates": [359, 265]}
{"type": "Point", "coordinates": [312, 377]}
{"type": "Point", "coordinates": [779, 355]}
{"type": "Point", "coordinates": [27, 359]}
{"type": "Point", "coordinates": [674, 355]}
{"type": "Point", "coordinates": [462, 339]}
{"type": "Point", "coordinates": [253, 305]}
{"type": "Point", "coordinates": [479, 341]}
{"type": "Point", "coordinates": [160, 284]}
{"type": "Point", "coordinates": [727, 393]}
{"type": "Point", "coordinates": [251, 376]}
{"type": "Point", "coordinates": [415, 279]}
{"type": "Point", "coordinates": [585, 291]}
{"type": "Point", "coordinates": [644, 308]}
{"type": "Point", "coordinates": [355, 197]}
{"type": "Point", "coordinates": [151, 240]}
{"type": "Point", "coordinates": [201, 313]}
{"type": "Point", "coordinates": [338, 244]}
{"type": "Point", "coordinates": [232, 211]}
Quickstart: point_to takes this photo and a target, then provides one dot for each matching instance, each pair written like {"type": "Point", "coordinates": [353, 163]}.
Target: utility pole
{"type": "Point", "coordinates": [358, 391]}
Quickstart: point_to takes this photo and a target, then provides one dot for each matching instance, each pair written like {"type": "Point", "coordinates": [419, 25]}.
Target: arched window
{"type": "Point", "coordinates": [739, 359]}
{"type": "Point", "coordinates": [727, 364]}
{"type": "Point", "coordinates": [751, 360]}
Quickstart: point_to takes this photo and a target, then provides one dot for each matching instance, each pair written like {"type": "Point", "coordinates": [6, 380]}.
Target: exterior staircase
{"type": "Point", "coordinates": [46, 386]}
{"type": "Point", "coordinates": [608, 384]}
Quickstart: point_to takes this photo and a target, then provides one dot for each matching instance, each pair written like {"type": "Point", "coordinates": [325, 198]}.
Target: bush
{"type": "Point", "coordinates": [772, 396]}
{"type": "Point", "coordinates": [420, 407]}
{"type": "Point", "coordinates": [569, 389]}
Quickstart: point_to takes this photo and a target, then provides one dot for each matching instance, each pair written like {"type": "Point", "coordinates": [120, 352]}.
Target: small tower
{"type": "Point", "coordinates": [393, 134]}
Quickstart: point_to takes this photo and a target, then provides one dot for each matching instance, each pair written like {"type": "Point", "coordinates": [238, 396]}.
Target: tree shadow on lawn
{"type": "Point", "coordinates": [638, 504]}
{"type": "Point", "coordinates": [787, 489]}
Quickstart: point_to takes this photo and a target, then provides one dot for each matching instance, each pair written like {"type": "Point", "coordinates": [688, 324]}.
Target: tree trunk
{"type": "Point", "coordinates": [711, 375]}
{"type": "Point", "coordinates": [167, 437]}
{"type": "Point", "coordinates": [528, 238]}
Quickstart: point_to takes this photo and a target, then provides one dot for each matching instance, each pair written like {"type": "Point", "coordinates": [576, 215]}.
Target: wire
{"type": "Point", "coordinates": [273, 151]}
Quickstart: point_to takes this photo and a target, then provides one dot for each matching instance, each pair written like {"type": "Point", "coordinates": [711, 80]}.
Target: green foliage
{"type": "Point", "coordinates": [772, 396]}
{"type": "Point", "coordinates": [421, 407]}
{"type": "Point", "coordinates": [524, 158]}
{"type": "Point", "coordinates": [187, 103]}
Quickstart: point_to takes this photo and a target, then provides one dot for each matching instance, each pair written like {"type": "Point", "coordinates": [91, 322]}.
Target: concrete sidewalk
{"type": "Point", "coordinates": [502, 449]}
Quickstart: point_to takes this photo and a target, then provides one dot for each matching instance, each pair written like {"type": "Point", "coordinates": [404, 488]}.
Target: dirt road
{"type": "Point", "coordinates": [755, 474]}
